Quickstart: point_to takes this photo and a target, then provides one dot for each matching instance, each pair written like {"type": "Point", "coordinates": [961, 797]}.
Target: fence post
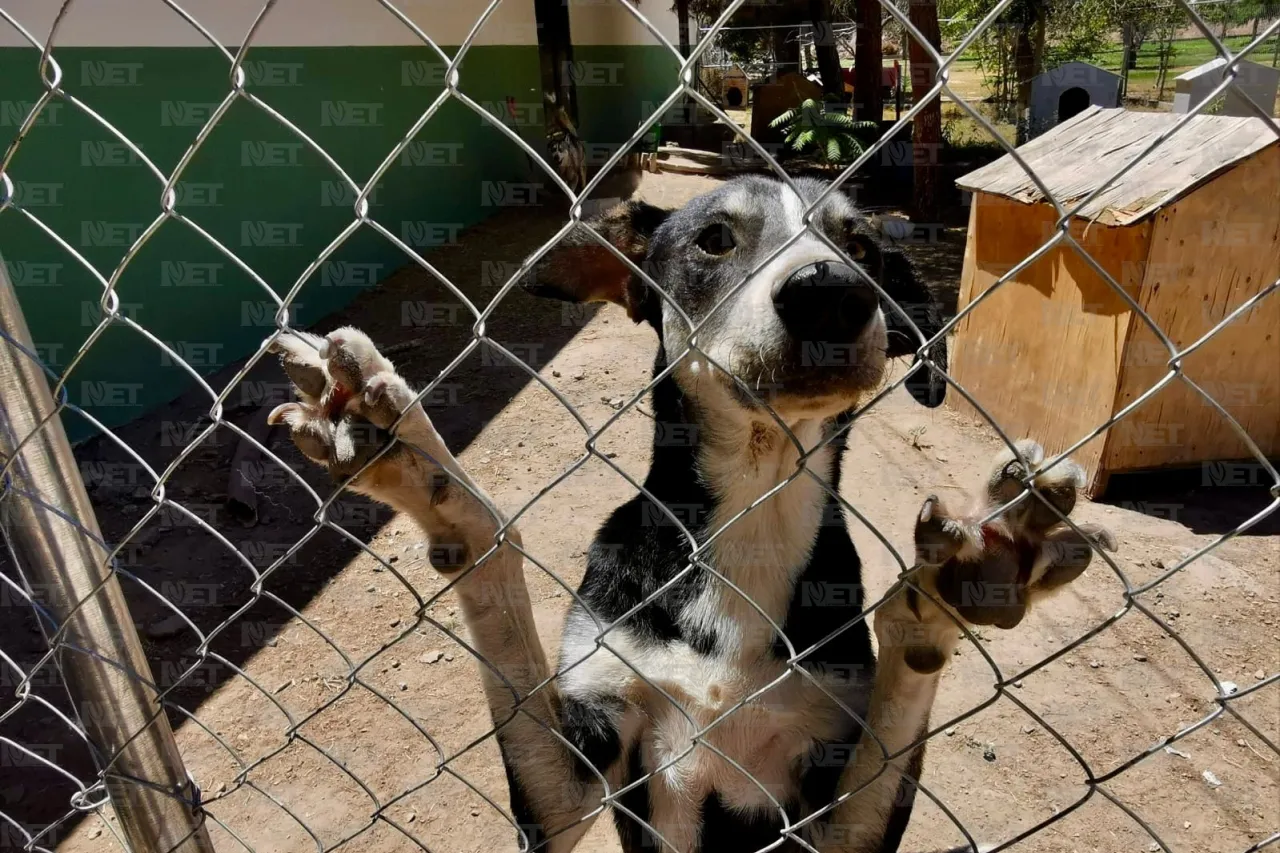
{"type": "Point", "coordinates": [50, 525]}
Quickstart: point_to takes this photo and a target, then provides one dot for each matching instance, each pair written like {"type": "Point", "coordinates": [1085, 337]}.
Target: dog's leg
{"type": "Point", "coordinates": [985, 574]}
{"type": "Point", "coordinates": [349, 407]}
{"type": "Point", "coordinates": [913, 650]}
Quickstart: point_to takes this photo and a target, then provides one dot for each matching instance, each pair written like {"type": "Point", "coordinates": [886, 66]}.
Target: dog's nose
{"type": "Point", "coordinates": [825, 301]}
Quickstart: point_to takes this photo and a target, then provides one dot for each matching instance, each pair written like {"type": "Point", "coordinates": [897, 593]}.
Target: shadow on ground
{"type": "Point", "coordinates": [205, 575]}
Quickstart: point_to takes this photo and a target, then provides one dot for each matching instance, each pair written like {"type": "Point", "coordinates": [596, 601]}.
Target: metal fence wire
{"type": "Point", "coordinates": [69, 579]}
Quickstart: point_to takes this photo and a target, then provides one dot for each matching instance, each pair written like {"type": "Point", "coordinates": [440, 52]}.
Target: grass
{"type": "Point", "coordinates": [969, 83]}
{"type": "Point", "coordinates": [967, 79]}
{"type": "Point", "coordinates": [1187, 53]}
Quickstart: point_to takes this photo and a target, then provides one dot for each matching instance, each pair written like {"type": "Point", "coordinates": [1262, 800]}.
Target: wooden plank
{"type": "Point", "coordinates": [1042, 354]}
{"type": "Point", "coordinates": [1210, 252]}
{"type": "Point", "coordinates": [968, 267]}
{"type": "Point", "coordinates": [1077, 157]}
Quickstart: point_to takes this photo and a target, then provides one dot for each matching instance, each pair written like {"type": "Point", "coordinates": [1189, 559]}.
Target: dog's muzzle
{"type": "Point", "coordinates": [825, 301]}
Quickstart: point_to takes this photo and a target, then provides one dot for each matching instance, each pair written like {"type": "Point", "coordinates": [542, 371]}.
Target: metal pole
{"type": "Point", "coordinates": [99, 653]}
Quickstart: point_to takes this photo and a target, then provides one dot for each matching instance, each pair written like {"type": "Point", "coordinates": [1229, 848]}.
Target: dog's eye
{"type": "Point", "coordinates": [857, 248]}
{"type": "Point", "coordinates": [716, 240]}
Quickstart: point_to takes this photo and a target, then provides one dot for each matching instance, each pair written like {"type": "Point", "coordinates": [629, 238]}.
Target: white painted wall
{"type": "Point", "coordinates": [151, 23]}
{"type": "Point", "coordinates": [608, 22]}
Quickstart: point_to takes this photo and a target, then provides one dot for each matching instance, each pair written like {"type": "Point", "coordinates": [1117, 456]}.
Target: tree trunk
{"type": "Point", "coordinates": [868, 59]}
{"type": "Point", "coordinates": [786, 51]}
{"type": "Point", "coordinates": [926, 132]}
{"type": "Point", "coordinates": [682, 19]}
{"type": "Point", "coordinates": [1024, 70]}
{"type": "Point", "coordinates": [824, 45]}
{"type": "Point", "coordinates": [1162, 73]}
{"type": "Point", "coordinates": [555, 52]}
{"type": "Point", "coordinates": [1126, 56]}
{"type": "Point", "coordinates": [681, 131]}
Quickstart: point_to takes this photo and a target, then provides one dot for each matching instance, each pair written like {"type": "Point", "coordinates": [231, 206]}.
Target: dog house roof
{"type": "Point", "coordinates": [1078, 156]}
{"type": "Point", "coordinates": [1256, 69]}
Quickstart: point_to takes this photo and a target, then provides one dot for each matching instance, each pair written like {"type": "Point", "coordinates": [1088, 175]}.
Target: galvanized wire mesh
{"type": "Point", "coordinates": [24, 674]}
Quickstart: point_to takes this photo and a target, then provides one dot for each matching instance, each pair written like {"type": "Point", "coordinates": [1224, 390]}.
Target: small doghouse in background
{"type": "Point", "coordinates": [734, 87]}
{"type": "Point", "coordinates": [1064, 92]}
{"type": "Point", "coordinates": [1259, 83]}
{"type": "Point", "coordinates": [1191, 233]}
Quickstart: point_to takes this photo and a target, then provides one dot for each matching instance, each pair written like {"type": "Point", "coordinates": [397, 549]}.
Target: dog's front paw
{"type": "Point", "coordinates": [991, 573]}
{"type": "Point", "coordinates": [350, 404]}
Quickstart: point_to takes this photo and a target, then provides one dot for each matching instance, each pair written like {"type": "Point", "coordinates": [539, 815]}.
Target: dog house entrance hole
{"type": "Point", "coordinates": [1072, 102]}
{"type": "Point", "coordinates": [734, 96]}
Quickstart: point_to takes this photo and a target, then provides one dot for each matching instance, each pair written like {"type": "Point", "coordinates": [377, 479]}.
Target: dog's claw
{"type": "Point", "coordinates": [926, 511]}
{"type": "Point", "coordinates": [348, 396]}
{"type": "Point", "coordinates": [281, 413]}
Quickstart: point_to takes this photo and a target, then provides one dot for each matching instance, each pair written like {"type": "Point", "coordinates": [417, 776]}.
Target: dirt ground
{"type": "Point", "coordinates": [332, 607]}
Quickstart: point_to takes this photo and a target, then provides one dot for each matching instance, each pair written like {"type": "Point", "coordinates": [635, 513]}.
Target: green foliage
{"type": "Point", "coordinates": [1086, 30]}
{"type": "Point", "coordinates": [1075, 29]}
{"type": "Point", "coordinates": [833, 136]}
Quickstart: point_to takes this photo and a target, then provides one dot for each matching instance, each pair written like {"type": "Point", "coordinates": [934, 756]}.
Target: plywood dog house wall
{"type": "Point", "coordinates": [1190, 233]}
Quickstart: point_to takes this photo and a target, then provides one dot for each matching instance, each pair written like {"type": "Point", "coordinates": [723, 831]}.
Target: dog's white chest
{"type": "Point", "coordinates": [743, 732]}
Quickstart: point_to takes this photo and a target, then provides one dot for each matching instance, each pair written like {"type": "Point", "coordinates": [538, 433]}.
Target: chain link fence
{"type": "Point", "coordinates": [66, 577]}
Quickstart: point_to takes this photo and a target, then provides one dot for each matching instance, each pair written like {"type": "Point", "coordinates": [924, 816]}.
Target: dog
{"type": "Point", "coordinates": [717, 680]}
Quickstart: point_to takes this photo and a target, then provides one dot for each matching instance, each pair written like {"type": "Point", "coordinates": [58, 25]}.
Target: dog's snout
{"type": "Point", "coordinates": [825, 301]}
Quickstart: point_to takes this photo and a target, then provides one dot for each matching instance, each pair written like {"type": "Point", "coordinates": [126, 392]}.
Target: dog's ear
{"type": "Point", "coordinates": [913, 304]}
{"type": "Point", "coordinates": [580, 269]}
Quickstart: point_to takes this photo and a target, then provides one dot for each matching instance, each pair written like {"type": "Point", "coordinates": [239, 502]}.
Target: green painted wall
{"type": "Point", "coordinates": [257, 188]}
{"type": "Point", "coordinates": [618, 87]}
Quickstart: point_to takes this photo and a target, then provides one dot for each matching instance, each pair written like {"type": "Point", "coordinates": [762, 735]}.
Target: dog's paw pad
{"type": "Point", "coordinates": [301, 362]}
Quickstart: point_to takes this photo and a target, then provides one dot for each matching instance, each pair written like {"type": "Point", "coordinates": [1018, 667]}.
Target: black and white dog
{"type": "Point", "coordinates": [718, 701]}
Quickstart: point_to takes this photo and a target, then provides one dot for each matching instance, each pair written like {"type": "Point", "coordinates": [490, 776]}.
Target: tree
{"type": "Point", "coordinates": [1034, 34]}
{"type": "Point", "coordinates": [565, 150]}
{"type": "Point", "coordinates": [826, 49]}
{"type": "Point", "coordinates": [868, 62]}
{"type": "Point", "coordinates": [1031, 25]}
{"type": "Point", "coordinates": [926, 131]}
{"type": "Point", "coordinates": [555, 52]}
{"type": "Point", "coordinates": [1264, 10]}
{"type": "Point", "coordinates": [1166, 29]}
{"type": "Point", "coordinates": [1139, 21]}
{"type": "Point", "coordinates": [779, 23]}
{"type": "Point", "coordinates": [682, 20]}
{"type": "Point", "coordinates": [764, 27]}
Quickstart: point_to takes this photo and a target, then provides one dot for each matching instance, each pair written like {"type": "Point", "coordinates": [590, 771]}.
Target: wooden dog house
{"type": "Point", "coordinates": [1190, 233]}
{"type": "Point", "coordinates": [770, 100]}
{"type": "Point", "coordinates": [735, 87]}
